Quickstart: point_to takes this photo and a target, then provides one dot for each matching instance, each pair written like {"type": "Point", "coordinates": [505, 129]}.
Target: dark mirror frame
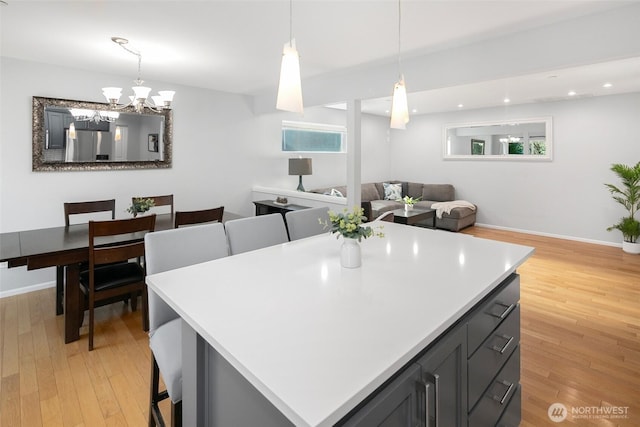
{"type": "Point", "coordinates": [38, 139]}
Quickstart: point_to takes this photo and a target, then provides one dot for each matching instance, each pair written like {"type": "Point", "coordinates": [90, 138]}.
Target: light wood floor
{"type": "Point", "coordinates": [580, 343]}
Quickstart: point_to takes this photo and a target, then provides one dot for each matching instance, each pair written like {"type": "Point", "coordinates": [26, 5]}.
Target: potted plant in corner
{"type": "Point", "coordinates": [628, 196]}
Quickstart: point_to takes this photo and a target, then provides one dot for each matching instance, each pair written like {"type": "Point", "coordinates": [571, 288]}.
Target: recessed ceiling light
{"type": "Point", "coordinates": [607, 85]}
{"type": "Point", "coordinates": [387, 111]}
{"type": "Point", "coordinates": [414, 111]}
{"type": "Point", "coordinates": [507, 100]}
{"type": "Point", "coordinates": [572, 93]}
{"type": "Point", "coordinates": [460, 105]}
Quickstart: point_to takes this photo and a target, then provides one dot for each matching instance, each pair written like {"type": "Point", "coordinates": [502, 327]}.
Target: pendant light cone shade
{"type": "Point", "coordinates": [290, 87]}
{"type": "Point", "coordinates": [399, 106]}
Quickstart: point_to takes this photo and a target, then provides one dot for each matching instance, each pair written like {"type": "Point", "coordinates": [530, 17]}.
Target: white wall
{"type": "Point", "coordinates": [564, 197]}
{"type": "Point", "coordinates": [220, 151]}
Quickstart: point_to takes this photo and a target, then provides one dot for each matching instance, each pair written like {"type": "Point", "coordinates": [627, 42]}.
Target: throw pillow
{"type": "Point", "coordinates": [336, 193]}
{"type": "Point", "coordinates": [392, 191]}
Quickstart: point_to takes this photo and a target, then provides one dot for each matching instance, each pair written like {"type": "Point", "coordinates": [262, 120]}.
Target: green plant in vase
{"type": "Point", "coordinates": [409, 202]}
{"type": "Point", "coordinates": [140, 205]}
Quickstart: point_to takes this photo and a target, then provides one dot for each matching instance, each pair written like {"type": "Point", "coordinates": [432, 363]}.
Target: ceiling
{"type": "Point", "coordinates": [235, 46]}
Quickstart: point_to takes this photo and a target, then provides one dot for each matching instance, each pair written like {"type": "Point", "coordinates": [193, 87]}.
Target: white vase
{"type": "Point", "coordinates": [350, 255]}
{"type": "Point", "coordinates": [408, 207]}
{"type": "Point", "coordinates": [631, 248]}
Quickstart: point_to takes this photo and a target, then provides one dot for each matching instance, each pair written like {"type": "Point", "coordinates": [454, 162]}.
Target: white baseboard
{"type": "Point", "coordinates": [26, 289]}
{"type": "Point", "coordinates": [555, 236]}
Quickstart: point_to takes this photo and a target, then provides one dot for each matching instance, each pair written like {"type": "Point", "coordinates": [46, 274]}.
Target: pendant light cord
{"type": "Point", "coordinates": [122, 44]}
{"type": "Point", "coordinates": [290, 22]}
{"type": "Point", "coordinates": [399, 38]}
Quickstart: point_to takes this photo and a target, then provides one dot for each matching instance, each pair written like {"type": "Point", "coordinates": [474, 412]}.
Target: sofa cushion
{"type": "Point", "coordinates": [369, 192]}
{"type": "Point", "coordinates": [392, 191]}
{"type": "Point", "coordinates": [438, 192]}
{"type": "Point", "coordinates": [414, 189]}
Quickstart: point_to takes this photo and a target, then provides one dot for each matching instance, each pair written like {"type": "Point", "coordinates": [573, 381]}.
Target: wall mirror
{"type": "Point", "coordinates": [79, 135]}
{"type": "Point", "coordinates": [517, 139]}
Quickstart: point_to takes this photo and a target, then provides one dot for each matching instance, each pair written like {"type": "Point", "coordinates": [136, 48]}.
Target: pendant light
{"type": "Point", "coordinates": [290, 87]}
{"type": "Point", "coordinates": [399, 103]}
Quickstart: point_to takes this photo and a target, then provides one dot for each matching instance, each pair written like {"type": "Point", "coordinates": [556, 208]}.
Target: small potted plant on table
{"type": "Point", "coordinates": [628, 196]}
{"type": "Point", "coordinates": [409, 202]}
{"type": "Point", "coordinates": [140, 205]}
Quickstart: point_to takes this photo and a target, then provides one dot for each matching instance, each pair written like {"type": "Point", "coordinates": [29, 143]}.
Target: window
{"type": "Point", "coordinates": [313, 137]}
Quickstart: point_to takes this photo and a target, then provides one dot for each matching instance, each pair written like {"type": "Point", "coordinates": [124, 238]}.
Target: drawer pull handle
{"type": "Point", "coordinates": [506, 311]}
{"type": "Point", "coordinates": [502, 349]}
{"type": "Point", "coordinates": [429, 380]}
{"type": "Point", "coordinates": [504, 397]}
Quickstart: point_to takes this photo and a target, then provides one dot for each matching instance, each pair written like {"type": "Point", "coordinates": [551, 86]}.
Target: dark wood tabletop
{"type": "Point", "coordinates": [64, 246]}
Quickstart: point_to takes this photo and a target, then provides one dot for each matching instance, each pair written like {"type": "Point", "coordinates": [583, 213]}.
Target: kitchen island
{"type": "Point", "coordinates": [286, 336]}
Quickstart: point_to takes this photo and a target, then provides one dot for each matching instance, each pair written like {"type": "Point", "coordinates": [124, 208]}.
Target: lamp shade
{"type": "Point", "coordinates": [290, 87]}
{"type": "Point", "coordinates": [399, 106]}
{"type": "Point", "coordinates": [300, 166]}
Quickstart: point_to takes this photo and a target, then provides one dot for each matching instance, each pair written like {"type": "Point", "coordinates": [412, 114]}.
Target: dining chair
{"type": "Point", "coordinates": [307, 222]}
{"type": "Point", "coordinates": [167, 250]}
{"type": "Point", "coordinates": [77, 208]}
{"type": "Point", "coordinates": [114, 273]}
{"type": "Point", "coordinates": [255, 232]}
{"type": "Point", "coordinates": [198, 217]}
{"type": "Point", "coordinates": [166, 200]}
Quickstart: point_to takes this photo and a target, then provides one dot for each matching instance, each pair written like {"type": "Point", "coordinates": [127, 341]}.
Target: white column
{"type": "Point", "coordinates": [354, 144]}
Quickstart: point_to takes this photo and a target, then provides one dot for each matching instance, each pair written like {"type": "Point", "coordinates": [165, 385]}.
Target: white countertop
{"type": "Point", "coordinates": [316, 338]}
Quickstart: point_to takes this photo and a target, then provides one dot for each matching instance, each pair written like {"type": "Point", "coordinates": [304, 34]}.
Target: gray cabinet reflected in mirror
{"type": "Point", "coordinates": [517, 139]}
{"type": "Point", "coordinates": [78, 135]}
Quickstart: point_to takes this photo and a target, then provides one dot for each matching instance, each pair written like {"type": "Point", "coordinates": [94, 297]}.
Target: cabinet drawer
{"type": "Point", "coordinates": [495, 399]}
{"type": "Point", "coordinates": [492, 355]}
{"type": "Point", "coordinates": [492, 313]}
{"type": "Point", "coordinates": [511, 416]}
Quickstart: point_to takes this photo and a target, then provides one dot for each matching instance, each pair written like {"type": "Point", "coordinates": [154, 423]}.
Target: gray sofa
{"type": "Point", "coordinates": [375, 204]}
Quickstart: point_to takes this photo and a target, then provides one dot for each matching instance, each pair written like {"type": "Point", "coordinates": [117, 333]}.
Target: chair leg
{"type": "Point", "coordinates": [153, 395]}
{"type": "Point", "coordinates": [91, 306]}
{"type": "Point", "coordinates": [145, 309]}
{"type": "Point", "coordinates": [134, 301]}
{"type": "Point", "coordinates": [176, 414]}
{"type": "Point", "coordinates": [59, 289]}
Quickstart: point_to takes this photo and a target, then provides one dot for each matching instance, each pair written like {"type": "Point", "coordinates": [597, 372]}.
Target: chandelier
{"type": "Point", "coordinates": [139, 99]}
{"type": "Point", "coordinates": [85, 115]}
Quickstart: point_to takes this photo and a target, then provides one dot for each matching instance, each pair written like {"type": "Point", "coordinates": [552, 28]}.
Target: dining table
{"type": "Point", "coordinates": [66, 246]}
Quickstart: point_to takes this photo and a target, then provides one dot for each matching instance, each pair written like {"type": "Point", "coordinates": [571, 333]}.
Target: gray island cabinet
{"type": "Point", "coordinates": [425, 333]}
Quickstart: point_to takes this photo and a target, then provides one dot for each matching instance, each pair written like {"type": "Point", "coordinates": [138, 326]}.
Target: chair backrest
{"type": "Point", "coordinates": [75, 208]}
{"type": "Point", "coordinates": [127, 240]}
{"type": "Point", "coordinates": [255, 232]}
{"type": "Point", "coordinates": [306, 222]}
{"type": "Point", "coordinates": [199, 217]}
{"type": "Point", "coordinates": [159, 200]}
{"type": "Point", "coordinates": [175, 248]}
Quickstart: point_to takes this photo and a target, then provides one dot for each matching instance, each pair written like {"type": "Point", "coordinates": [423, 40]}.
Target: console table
{"type": "Point", "coordinates": [265, 207]}
{"type": "Point", "coordinates": [285, 336]}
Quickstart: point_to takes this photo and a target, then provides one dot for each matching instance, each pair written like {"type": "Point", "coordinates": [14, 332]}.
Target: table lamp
{"type": "Point", "coordinates": [300, 167]}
